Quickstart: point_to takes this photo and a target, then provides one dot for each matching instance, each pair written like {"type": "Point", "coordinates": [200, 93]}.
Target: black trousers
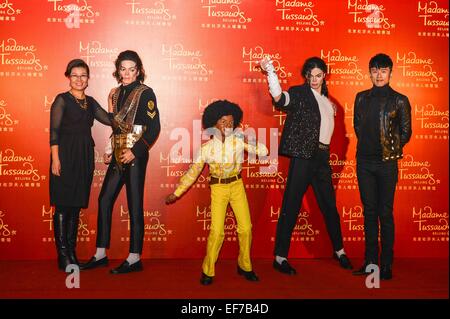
{"type": "Point", "coordinates": [377, 181]}
{"type": "Point", "coordinates": [133, 177]}
{"type": "Point", "coordinates": [302, 173]}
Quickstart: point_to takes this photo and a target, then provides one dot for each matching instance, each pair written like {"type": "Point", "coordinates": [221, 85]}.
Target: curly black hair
{"type": "Point", "coordinates": [214, 111]}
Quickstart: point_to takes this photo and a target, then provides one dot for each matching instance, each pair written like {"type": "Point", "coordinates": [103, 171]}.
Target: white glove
{"type": "Point", "coordinates": [272, 78]}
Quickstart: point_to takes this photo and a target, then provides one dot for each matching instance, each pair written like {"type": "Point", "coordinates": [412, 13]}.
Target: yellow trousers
{"type": "Point", "coordinates": [221, 195]}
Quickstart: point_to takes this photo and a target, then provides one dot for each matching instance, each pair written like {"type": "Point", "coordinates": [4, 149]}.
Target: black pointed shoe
{"type": "Point", "coordinates": [249, 275]}
{"type": "Point", "coordinates": [125, 267]}
{"type": "Point", "coordinates": [94, 263]}
{"type": "Point", "coordinates": [284, 267]}
{"type": "Point", "coordinates": [206, 280]}
{"type": "Point", "coordinates": [344, 262]}
{"type": "Point", "coordinates": [386, 272]}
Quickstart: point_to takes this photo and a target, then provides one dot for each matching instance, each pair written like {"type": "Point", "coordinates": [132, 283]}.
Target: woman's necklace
{"type": "Point", "coordinates": [82, 104]}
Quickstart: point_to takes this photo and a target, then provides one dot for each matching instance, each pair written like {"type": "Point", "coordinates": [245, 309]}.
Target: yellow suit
{"type": "Point", "coordinates": [225, 160]}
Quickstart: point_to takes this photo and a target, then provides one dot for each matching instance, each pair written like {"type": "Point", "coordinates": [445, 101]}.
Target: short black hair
{"type": "Point", "coordinates": [381, 60]}
{"type": "Point", "coordinates": [130, 56]}
{"type": "Point", "coordinates": [76, 63]}
{"type": "Point", "coordinates": [214, 112]}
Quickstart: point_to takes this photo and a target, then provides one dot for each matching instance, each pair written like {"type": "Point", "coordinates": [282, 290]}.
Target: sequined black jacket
{"type": "Point", "coordinates": [300, 137]}
{"type": "Point", "coordinates": [395, 121]}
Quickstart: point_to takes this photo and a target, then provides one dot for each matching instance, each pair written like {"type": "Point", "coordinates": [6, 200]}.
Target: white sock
{"type": "Point", "coordinates": [280, 259]}
{"type": "Point", "coordinates": [100, 253]}
{"type": "Point", "coordinates": [133, 258]}
{"type": "Point", "coordinates": [340, 252]}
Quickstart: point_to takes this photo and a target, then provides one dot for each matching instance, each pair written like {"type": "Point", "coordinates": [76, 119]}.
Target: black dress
{"type": "Point", "coordinates": [70, 128]}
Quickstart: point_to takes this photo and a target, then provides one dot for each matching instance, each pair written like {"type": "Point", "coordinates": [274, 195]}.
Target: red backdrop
{"type": "Point", "coordinates": [195, 52]}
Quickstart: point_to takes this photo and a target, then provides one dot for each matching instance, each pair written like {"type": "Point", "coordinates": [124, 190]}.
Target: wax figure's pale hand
{"type": "Point", "coordinates": [171, 198]}
{"type": "Point", "coordinates": [272, 78]}
{"type": "Point", "coordinates": [267, 65]}
{"type": "Point", "coordinates": [127, 156]}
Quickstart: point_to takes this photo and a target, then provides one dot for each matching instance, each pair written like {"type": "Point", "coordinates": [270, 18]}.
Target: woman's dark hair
{"type": "Point", "coordinates": [130, 56]}
{"type": "Point", "coordinates": [312, 63]}
{"type": "Point", "coordinates": [214, 111]}
{"type": "Point", "coordinates": [76, 63]}
{"type": "Point", "coordinates": [381, 60]}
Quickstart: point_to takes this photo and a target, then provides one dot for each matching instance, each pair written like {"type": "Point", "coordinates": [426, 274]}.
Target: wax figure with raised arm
{"type": "Point", "coordinates": [306, 140]}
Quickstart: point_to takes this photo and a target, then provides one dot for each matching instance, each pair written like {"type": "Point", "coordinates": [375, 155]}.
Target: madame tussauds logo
{"type": "Point", "coordinates": [347, 170]}
{"type": "Point", "coordinates": [184, 60]}
{"type": "Point", "coordinates": [371, 15]}
{"type": "Point", "coordinates": [252, 57]}
{"type": "Point", "coordinates": [353, 217]}
{"type": "Point", "coordinates": [9, 8]}
{"type": "Point", "coordinates": [92, 51]}
{"type": "Point", "coordinates": [430, 12]}
{"type": "Point", "coordinates": [336, 61]}
{"type": "Point", "coordinates": [420, 69]}
{"type": "Point", "coordinates": [428, 220]}
{"type": "Point", "coordinates": [204, 218]}
{"type": "Point", "coordinates": [5, 118]}
{"type": "Point", "coordinates": [305, 13]}
{"type": "Point", "coordinates": [82, 7]}
{"type": "Point", "coordinates": [417, 171]}
{"type": "Point", "coordinates": [431, 118]}
{"type": "Point", "coordinates": [22, 170]}
{"type": "Point", "coordinates": [229, 10]}
{"type": "Point", "coordinates": [22, 56]}
{"type": "Point", "coordinates": [158, 11]}
{"type": "Point", "coordinates": [302, 227]}
{"type": "Point", "coordinates": [4, 228]}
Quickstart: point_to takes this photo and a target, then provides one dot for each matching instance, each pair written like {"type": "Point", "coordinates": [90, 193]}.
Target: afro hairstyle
{"type": "Point", "coordinates": [214, 112]}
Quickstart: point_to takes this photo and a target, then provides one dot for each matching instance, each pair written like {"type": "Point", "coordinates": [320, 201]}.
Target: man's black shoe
{"type": "Point", "coordinates": [249, 275]}
{"type": "Point", "coordinates": [94, 263]}
{"type": "Point", "coordinates": [206, 280]}
{"type": "Point", "coordinates": [284, 267]}
{"type": "Point", "coordinates": [362, 271]}
{"type": "Point", "coordinates": [386, 272]}
{"type": "Point", "coordinates": [344, 262]}
{"type": "Point", "coordinates": [125, 267]}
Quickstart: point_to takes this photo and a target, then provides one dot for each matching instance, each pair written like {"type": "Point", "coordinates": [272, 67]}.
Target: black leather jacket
{"type": "Point", "coordinates": [395, 121]}
{"type": "Point", "coordinates": [301, 130]}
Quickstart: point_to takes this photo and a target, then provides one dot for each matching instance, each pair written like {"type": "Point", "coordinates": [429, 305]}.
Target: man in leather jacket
{"type": "Point", "coordinates": [382, 122]}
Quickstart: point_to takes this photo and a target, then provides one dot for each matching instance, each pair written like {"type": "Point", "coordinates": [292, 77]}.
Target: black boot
{"type": "Point", "coordinates": [73, 221]}
{"type": "Point", "coordinates": [60, 228]}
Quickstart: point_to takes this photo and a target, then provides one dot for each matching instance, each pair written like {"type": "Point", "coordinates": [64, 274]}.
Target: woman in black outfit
{"type": "Point", "coordinates": [72, 157]}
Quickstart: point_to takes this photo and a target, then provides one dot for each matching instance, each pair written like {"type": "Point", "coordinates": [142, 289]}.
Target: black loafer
{"type": "Point", "coordinates": [94, 263]}
{"type": "Point", "coordinates": [344, 262]}
{"type": "Point", "coordinates": [284, 267]}
{"type": "Point", "coordinates": [206, 280]}
{"type": "Point", "coordinates": [249, 275]}
{"type": "Point", "coordinates": [125, 268]}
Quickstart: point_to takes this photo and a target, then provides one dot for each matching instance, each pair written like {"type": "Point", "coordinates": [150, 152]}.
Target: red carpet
{"type": "Point", "coordinates": [179, 279]}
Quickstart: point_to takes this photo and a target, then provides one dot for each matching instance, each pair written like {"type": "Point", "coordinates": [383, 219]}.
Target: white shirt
{"type": "Point", "coordinates": [327, 113]}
